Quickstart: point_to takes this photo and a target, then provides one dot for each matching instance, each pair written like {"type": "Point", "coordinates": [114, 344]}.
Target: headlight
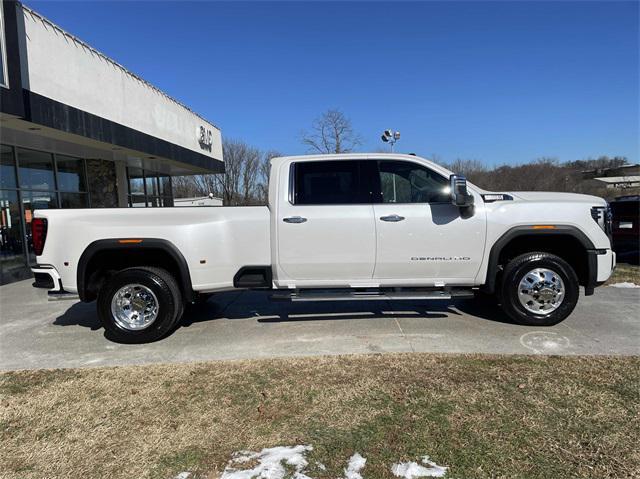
{"type": "Point", "coordinates": [602, 216]}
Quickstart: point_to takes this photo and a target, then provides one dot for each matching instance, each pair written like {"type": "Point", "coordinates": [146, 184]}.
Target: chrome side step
{"type": "Point", "coordinates": [351, 295]}
{"type": "Point", "coordinates": [61, 295]}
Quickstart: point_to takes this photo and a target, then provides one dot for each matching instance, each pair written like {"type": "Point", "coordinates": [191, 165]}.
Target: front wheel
{"type": "Point", "coordinates": [139, 305]}
{"type": "Point", "coordinates": [539, 289]}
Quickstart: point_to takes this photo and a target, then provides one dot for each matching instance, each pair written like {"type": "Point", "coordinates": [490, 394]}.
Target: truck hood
{"type": "Point", "coordinates": [552, 197]}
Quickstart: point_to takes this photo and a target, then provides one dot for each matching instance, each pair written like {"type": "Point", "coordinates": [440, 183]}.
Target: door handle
{"type": "Point", "coordinates": [392, 218]}
{"type": "Point", "coordinates": [294, 219]}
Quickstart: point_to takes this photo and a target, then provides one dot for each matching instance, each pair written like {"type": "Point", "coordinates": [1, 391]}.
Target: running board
{"type": "Point", "coordinates": [61, 295]}
{"type": "Point", "coordinates": [351, 295]}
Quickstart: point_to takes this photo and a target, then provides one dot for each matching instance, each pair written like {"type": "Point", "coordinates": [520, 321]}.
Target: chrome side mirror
{"type": "Point", "coordinates": [459, 195]}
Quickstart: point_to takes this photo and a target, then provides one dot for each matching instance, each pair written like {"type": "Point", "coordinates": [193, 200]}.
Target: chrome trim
{"type": "Point", "coordinates": [392, 218]}
{"type": "Point", "coordinates": [294, 219]}
{"type": "Point", "coordinates": [134, 307]}
{"type": "Point", "coordinates": [541, 291]}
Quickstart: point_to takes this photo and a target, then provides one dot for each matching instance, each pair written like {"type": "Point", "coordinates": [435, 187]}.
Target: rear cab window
{"type": "Point", "coordinates": [331, 182]}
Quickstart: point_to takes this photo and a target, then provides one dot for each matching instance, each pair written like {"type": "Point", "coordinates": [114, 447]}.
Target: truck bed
{"type": "Point", "coordinates": [215, 241]}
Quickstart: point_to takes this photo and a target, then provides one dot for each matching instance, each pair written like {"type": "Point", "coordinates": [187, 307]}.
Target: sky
{"type": "Point", "coordinates": [499, 82]}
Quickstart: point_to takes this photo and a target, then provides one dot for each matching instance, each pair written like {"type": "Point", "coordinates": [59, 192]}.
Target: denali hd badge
{"type": "Point", "coordinates": [440, 258]}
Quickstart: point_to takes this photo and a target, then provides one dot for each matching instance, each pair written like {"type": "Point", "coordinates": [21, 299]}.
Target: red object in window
{"type": "Point", "coordinates": [38, 234]}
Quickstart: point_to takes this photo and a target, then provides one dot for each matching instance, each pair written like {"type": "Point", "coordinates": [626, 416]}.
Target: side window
{"type": "Point", "coordinates": [329, 183]}
{"type": "Point", "coordinates": [407, 182]}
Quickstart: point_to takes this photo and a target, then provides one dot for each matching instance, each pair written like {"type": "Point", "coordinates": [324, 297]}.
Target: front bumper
{"type": "Point", "coordinates": [601, 264]}
{"type": "Point", "coordinates": [606, 265]}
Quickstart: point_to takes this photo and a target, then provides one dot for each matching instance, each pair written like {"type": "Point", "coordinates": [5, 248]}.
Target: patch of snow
{"type": "Point", "coordinates": [544, 342]}
{"type": "Point", "coordinates": [356, 463]}
{"type": "Point", "coordinates": [321, 466]}
{"type": "Point", "coordinates": [270, 463]}
{"type": "Point", "coordinates": [625, 285]}
{"type": "Point", "coordinates": [410, 470]}
{"type": "Point", "coordinates": [183, 475]}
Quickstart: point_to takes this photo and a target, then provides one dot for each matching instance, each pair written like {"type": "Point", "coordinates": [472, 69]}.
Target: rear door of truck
{"type": "Point", "coordinates": [326, 229]}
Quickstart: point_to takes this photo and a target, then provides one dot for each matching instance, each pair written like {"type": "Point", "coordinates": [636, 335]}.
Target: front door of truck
{"type": "Point", "coordinates": [326, 230]}
{"type": "Point", "coordinates": [421, 236]}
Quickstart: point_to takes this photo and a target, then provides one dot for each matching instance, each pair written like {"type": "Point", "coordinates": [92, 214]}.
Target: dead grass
{"type": "Point", "coordinates": [484, 416]}
{"type": "Point", "coordinates": [625, 273]}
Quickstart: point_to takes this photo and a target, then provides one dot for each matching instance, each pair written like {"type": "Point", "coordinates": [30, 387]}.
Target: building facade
{"type": "Point", "coordinates": [78, 130]}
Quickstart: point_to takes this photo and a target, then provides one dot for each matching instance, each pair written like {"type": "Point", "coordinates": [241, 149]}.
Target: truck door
{"type": "Point", "coordinates": [326, 230]}
{"type": "Point", "coordinates": [421, 236]}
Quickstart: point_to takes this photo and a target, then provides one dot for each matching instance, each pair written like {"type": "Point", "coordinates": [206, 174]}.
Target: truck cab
{"type": "Point", "coordinates": [359, 221]}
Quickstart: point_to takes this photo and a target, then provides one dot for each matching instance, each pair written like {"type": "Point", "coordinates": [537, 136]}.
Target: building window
{"type": "Point", "coordinates": [72, 182]}
{"type": "Point", "coordinates": [4, 80]}
{"type": "Point", "coordinates": [166, 191]}
{"type": "Point", "coordinates": [71, 175]}
{"type": "Point", "coordinates": [31, 180]}
{"type": "Point", "coordinates": [7, 168]}
{"type": "Point", "coordinates": [148, 189]}
{"type": "Point", "coordinates": [12, 253]}
{"type": "Point", "coordinates": [12, 258]}
{"type": "Point", "coordinates": [35, 169]}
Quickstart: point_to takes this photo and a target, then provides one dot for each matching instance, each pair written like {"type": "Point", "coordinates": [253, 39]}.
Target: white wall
{"type": "Point", "coordinates": [65, 70]}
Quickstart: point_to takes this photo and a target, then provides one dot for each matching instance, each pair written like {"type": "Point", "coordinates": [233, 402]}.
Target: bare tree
{"type": "Point", "coordinates": [331, 132]}
{"type": "Point", "coordinates": [264, 172]}
{"type": "Point", "coordinates": [185, 187]}
{"type": "Point", "coordinates": [244, 182]}
{"type": "Point", "coordinates": [467, 168]}
{"type": "Point", "coordinates": [227, 185]}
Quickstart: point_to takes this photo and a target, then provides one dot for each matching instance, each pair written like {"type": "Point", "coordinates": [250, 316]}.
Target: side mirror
{"type": "Point", "coordinates": [459, 195]}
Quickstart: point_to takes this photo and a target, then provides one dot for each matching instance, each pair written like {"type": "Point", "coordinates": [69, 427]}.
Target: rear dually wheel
{"type": "Point", "coordinates": [139, 305]}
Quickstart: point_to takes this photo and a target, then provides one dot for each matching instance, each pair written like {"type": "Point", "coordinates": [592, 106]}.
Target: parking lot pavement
{"type": "Point", "coordinates": [36, 333]}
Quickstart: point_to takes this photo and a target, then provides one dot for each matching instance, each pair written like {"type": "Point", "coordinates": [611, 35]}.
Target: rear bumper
{"type": "Point", "coordinates": [47, 277]}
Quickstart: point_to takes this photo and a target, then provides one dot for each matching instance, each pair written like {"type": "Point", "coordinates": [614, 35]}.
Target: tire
{"type": "Point", "coordinates": [530, 289]}
{"type": "Point", "coordinates": [148, 286]}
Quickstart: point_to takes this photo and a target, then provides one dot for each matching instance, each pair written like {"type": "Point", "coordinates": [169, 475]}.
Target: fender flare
{"type": "Point", "coordinates": [528, 230]}
{"type": "Point", "coordinates": [147, 243]}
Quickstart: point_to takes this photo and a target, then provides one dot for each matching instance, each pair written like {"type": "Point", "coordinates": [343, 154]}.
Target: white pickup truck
{"type": "Point", "coordinates": [354, 226]}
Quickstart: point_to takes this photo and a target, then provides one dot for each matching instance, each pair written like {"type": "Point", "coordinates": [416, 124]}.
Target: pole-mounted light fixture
{"type": "Point", "coordinates": [390, 136]}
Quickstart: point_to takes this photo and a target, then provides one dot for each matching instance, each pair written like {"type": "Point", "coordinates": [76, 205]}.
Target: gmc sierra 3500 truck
{"type": "Point", "coordinates": [353, 226]}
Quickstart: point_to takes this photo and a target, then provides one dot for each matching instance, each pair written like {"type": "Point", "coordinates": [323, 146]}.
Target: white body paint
{"type": "Point", "coordinates": [338, 246]}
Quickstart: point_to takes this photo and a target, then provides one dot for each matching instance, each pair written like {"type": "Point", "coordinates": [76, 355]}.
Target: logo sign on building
{"type": "Point", "coordinates": [205, 138]}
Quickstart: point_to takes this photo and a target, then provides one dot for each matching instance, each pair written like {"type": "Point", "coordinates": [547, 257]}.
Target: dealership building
{"type": "Point", "coordinates": [79, 130]}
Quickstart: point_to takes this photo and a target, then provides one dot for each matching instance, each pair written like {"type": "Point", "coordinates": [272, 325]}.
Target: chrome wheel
{"type": "Point", "coordinates": [134, 307]}
{"type": "Point", "coordinates": [541, 291]}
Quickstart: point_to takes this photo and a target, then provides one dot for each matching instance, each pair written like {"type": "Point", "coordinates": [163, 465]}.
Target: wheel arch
{"type": "Point", "coordinates": [566, 241]}
{"type": "Point", "coordinates": [104, 255]}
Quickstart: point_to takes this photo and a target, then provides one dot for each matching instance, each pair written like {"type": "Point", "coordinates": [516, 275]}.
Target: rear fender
{"type": "Point", "coordinates": [126, 244]}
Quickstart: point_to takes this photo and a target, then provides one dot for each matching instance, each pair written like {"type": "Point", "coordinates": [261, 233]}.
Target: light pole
{"type": "Point", "coordinates": [389, 136]}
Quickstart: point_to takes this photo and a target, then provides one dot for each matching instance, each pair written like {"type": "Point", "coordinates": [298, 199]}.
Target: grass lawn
{"type": "Point", "coordinates": [625, 273]}
{"type": "Point", "coordinates": [482, 416]}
